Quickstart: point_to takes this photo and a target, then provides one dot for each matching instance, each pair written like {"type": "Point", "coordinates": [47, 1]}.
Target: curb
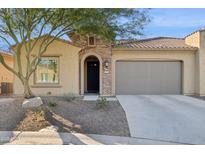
{"type": "Point", "coordinates": [60, 138]}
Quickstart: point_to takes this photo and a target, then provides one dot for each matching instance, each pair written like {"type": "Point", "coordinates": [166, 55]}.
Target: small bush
{"type": "Point", "coordinates": [102, 103]}
{"type": "Point", "coordinates": [52, 104]}
{"type": "Point", "coordinates": [39, 115]}
{"type": "Point", "coordinates": [69, 97]}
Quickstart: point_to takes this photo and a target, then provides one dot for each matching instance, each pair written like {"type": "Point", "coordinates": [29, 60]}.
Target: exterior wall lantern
{"type": "Point", "coordinates": [106, 66]}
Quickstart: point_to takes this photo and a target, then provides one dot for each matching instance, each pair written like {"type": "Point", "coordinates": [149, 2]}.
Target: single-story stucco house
{"type": "Point", "coordinates": [161, 65]}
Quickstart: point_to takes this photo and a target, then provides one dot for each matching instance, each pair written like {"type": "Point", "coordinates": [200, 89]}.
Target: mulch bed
{"type": "Point", "coordinates": [34, 120]}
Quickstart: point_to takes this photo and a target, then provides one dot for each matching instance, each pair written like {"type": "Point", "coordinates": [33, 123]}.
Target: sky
{"type": "Point", "coordinates": [174, 22]}
{"type": "Point", "coordinates": [170, 22]}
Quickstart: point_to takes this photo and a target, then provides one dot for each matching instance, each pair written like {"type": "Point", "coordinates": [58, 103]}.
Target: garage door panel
{"type": "Point", "coordinates": [137, 77]}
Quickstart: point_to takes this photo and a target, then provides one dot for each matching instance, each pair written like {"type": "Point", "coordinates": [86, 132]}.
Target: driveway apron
{"type": "Point", "coordinates": [173, 118]}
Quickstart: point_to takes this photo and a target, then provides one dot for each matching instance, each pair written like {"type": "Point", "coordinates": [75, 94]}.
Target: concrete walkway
{"type": "Point", "coordinates": [90, 97]}
{"type": "Point", "coordinates": [6, 100]}
{"type": "Point", "coordinates": [52, 137]}
{"type": "Point", "coordinates": [174, 118]}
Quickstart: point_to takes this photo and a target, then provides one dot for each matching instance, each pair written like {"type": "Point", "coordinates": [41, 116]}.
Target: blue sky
{"type": "Point", "coordinates": [174, 22]}
{"type": "Point", "coordinates": [171, 22]}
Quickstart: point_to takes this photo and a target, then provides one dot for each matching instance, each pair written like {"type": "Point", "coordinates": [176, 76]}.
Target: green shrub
{"type": "Point", "coordinates": [102, 103]}
{"type": "Point", "coordinates": [69, 97]}
{"type": "Point", "coordinates": [52, 104]}
{"type": "Point", "coordinates": [39, 115]}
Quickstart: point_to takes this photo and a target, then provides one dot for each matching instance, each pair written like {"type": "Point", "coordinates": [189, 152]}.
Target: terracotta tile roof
{"type": "Point", "coordinates": [154, 43]}
{"type": "Point", "coordinates": [5, 52]}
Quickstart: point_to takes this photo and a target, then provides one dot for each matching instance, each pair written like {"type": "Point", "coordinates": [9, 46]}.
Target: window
{"type": "Point", "coordinates": [91, 40]}
{"type": "Point", "coordinates": [47, 70]}
{"type": "Point", "coordinates": [44, 77]}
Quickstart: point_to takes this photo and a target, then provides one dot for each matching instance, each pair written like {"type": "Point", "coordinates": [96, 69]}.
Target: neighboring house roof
{"type": "Point", "coordinates": [154, 43]}
{"type": "Point", "coordinates": [4, 52]}
{"type": "Point", "coordinates": [199, 30]}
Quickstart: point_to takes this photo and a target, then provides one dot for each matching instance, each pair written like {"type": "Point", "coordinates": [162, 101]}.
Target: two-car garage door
{"type": "Point", "coordinates": [148, 77]}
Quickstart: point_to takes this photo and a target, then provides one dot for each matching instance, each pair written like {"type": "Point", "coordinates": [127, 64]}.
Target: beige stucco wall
{"type": "Point", "coordinates": [68, 71]}
{"type": "Point", "coordinates": [193, 39]}
{"type": "Point", "coordinates": [197, 39]}
{"type": "Point", "coordinates": [201, 64]}
{"type": "Point", "coordinates": [187, 57]}
{"type": "Point", "coordinates": [5, 75]}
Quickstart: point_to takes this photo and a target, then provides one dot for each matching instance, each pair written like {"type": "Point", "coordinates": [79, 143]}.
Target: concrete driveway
{"type": "Point", "coordinates": [173, 118]}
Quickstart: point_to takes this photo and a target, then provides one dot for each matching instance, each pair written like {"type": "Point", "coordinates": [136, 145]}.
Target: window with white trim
{"type": "Point", "coordinates": [47, 70]}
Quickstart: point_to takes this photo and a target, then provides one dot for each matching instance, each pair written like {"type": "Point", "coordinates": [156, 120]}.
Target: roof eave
{"type": "Point", "coordinates": [154, 49]}
{"type": "Point", "coordinates": [58, 39]}
{"type": "Point", "coordinates": [196, 31]}
{"type": "Point", "coordinates": [6, 54]}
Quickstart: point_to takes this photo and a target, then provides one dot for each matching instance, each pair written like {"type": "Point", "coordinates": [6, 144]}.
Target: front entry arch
{"type": "Point", "coordinates": [91, 74]}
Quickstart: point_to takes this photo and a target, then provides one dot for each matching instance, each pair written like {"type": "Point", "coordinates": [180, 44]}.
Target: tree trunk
{"type": "Point", "coordinates": [27, 91]}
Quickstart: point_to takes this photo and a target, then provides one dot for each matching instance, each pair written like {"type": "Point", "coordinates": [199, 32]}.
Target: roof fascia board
{"type": "Point", "coordinates": [155, 49]}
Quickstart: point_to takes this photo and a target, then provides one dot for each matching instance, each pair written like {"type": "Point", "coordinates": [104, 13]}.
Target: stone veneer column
{"type": "Point", "coordinates": [106, 53]}
{"type": "Point", "coordinates": [107, 78]}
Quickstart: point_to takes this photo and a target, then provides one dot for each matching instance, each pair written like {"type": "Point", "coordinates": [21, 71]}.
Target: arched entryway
{"type": "Point", "coordinates": [91, 75]}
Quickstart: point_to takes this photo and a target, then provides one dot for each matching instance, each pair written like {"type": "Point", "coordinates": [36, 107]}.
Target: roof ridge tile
{"type": "Point", "coordinates": [156, 42]}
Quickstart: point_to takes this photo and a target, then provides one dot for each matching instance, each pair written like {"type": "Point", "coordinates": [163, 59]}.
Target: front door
{"type": "Point", "coordinates": [93, 76]}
